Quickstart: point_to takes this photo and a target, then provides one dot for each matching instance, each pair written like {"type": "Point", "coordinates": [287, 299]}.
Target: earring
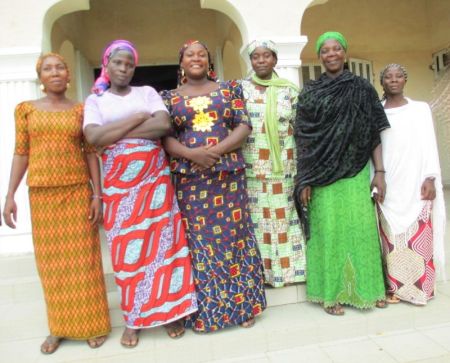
{"type": "Point", "coordinates": [68, 85]}
{"type": "Point", "coordinates": [183, 79]}
{"type": "Point", "coordinates": [42, 87]}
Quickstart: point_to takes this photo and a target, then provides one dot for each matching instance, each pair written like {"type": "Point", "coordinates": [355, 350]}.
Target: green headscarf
{"type": "Point", "coordinates": [270, 116]}
{"type": "Point", "coordinates": [331, 35]}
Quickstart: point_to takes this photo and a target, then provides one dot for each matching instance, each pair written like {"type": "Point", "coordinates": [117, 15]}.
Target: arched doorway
{"type": "Point", "coordinates": [157, 28]}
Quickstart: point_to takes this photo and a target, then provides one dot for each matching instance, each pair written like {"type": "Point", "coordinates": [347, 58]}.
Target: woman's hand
{"type": "Point", "coordinates": [305, 196]}
{"type": "Point", "coordinates": [95, 211]}
{"type": "Point", "coordinates": [203, 157]}
{"type": "Point", "coordinates": [10, 212]}
{"type": "Point", "coordinates": [428, 189]}
{"type": "Point", "coordinates": [379, 183]}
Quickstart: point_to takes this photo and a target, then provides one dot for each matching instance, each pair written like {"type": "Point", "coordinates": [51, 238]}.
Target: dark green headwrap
{"type": "Point", "coordinates": [331, 35]}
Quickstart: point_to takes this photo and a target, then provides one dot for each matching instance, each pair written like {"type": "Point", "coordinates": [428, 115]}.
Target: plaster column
{"type": "Point", "coordinates": [17, 83]}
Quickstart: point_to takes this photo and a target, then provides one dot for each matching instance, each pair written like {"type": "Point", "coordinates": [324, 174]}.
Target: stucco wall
{"type": "Point", "coordinates": [384, 33]}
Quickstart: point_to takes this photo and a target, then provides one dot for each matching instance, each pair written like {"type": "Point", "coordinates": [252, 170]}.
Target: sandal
{"type": "Point", "coordinates": [130, 338]}
{"type": "Point", "coordinates": [381, 304]}
{"type": "Point", "coordinates": [50, 345]}
{"type": "Point", "coordinates": [175, 330]}
{"type": "Point", "coordinates": [392, 299]}
{"type": "Point", "coordinates": [249, 323]}
{"type": "Point", "coordinates": [337, 310]}
{"type": "Point", "coordinates": [97, 342]}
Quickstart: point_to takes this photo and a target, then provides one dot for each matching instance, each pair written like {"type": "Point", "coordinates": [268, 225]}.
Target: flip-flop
{"type": "Point", "coordinates": [52, 343]}
{"type": "Point", "coordinates": [97, 342]}
{"type": "Point", "coordinates": [128, 334]}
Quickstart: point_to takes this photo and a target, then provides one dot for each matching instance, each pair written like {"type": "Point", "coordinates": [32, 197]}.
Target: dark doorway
{"type": "Point", "coordinates": [159, 77]}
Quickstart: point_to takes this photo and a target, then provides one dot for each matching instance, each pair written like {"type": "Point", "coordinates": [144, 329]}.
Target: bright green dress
{"type": "Point", "coordinates": [277, 227]}
{"type": "Point", "coordinates": [343, 254]}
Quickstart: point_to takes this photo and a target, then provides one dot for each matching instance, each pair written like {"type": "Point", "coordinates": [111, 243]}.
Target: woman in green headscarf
{"type": "Point", "coordinates": [337, 131]}
{"type": "Point", "coordinates": [270, 167]}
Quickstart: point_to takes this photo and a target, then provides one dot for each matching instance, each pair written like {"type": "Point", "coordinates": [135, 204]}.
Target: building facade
{"type": "Point", "coordinates": [411, 32]}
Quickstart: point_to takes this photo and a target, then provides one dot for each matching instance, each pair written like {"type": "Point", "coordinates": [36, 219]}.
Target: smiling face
{"type": "Point", "coordinates": [393, 81]}
{"type": "Point", "coordinates": [121, 68]}
{"type": "Point", "coordinates": [332, 56]}
{"type": "Point", "coordinates": [54, 75]}
{"type": "Point", "coordinates": [263, 62]}
{"type": "Point", "coordinates": [195, 61]}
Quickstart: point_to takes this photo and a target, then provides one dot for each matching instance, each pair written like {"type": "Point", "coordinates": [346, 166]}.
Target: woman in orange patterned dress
{"type": "Point", "coordinates": [64, 192]}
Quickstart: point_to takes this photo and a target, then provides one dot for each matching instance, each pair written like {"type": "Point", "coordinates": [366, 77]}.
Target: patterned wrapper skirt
{"type": "Point", "coordinates": [69, 261]}
{"type": "Point", "coordinates": [226, 260]}
{"type": "Point", "coordinates": [149, 251]}
{"type": "Point", "coordinates": [277, 229]}
{"type": "Point", "coordinates": [408, 258]}
{"type": "Point", "coordinates": [343, 254]}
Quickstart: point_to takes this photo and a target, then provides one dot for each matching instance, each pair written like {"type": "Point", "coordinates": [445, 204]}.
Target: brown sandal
{"type": "Point", "coordinates": [50, 345]}
{"type": "Point", "coordinates": [97, 342]}
{"type": "Point", "coordinates": [337, 310]}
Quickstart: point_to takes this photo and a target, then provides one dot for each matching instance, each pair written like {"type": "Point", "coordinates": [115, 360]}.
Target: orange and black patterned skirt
{"type": "Point", "coordinates": [69, 261]}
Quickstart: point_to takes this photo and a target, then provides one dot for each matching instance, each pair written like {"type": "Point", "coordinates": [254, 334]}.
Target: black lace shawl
{"type": "Point", "coordinates": [338, 125]}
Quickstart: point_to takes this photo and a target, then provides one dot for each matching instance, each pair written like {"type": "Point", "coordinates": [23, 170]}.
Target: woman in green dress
{"type": "Point", "coordinates": [271, 166]}
{"type": "Point", "coordinates": [337, 131]}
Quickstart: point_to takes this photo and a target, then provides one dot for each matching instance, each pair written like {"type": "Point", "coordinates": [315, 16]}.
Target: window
{"type": "Point", "coordinates": [441, 61]}
{"type": "Point", "coordinates": [360, 67]}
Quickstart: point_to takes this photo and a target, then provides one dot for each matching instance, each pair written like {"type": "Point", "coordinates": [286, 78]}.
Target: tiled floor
{"type": "Point", "coordinates": [297, 333]}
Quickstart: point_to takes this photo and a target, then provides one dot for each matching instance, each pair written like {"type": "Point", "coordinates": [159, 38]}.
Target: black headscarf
{"type": "Point", "coordinates": [338, 125]}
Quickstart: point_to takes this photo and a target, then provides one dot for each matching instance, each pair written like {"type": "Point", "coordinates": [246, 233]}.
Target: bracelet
{"type": "Point", "coordinates": [380, 171]}
{"type": "Point", "coordinates": [96, 197]}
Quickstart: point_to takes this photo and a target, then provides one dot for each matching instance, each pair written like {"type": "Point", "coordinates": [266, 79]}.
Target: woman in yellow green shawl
{"type": "Point", "coordinates": [270, 167]}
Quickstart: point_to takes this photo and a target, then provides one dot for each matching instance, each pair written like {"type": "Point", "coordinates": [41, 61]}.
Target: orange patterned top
{"type": "Point", "coordinates": [54, 142]}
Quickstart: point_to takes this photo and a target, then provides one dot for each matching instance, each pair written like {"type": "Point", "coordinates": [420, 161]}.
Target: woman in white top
{"type": "Point", "coordinates": [412, 216]}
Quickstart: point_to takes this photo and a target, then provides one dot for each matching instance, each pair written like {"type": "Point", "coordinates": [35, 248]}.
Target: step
{"type": "Point", "coordinates": [279, 328]}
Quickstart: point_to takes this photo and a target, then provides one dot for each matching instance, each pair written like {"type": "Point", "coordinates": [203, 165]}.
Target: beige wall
{"type": "Point", "coordinates": [384, 33]}
{"type": "Point", "coordinates": [439, 20]}
{"type": "Point", "coordinates": [158, 28]}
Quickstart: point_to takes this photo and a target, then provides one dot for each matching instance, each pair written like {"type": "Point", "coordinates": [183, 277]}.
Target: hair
{"type": "Point", "coordinates": [44, 56]}
{"type": "Point", "coordinates": [385, 69]}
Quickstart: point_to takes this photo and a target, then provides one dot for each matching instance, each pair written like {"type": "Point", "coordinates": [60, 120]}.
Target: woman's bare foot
{"type": "Point", "coordinates": [50, 345]}
{"type": "Point", "coordinates": [392, 299]}
{"type": "Point", "coordinates": [249, 323]}
{"type": "Point", "coordinates": [335, 310]}
{"type": "Point", "coordinates": [130, 338]}
{"type": "Point", "coordinates": [96, 342]}
{"type": "Point", "coordinates": [381, 304]}
{"type": "Point", "coordinates": [175, 329]}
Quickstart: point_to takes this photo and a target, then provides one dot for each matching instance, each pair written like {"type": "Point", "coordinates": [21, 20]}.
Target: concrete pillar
{"type": "Point", "coordinates": [17, 83]}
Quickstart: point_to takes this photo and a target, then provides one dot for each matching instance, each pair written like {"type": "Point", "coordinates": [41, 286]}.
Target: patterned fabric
{"type": "Point", "coordinates": [69, 261]}
{"type": "Point", "coordinates": [343, 255]}
{"type": "Point", "coordinates": [227, 264]}
{"type": "Point", "coordinates": [277, 228]}
{"type": "Point", "coordinates": [56, 158]}
{"type": "Point", "coordinates": [263, 44]}
{"type": "Point", "coordinates": [207, 120]}
{"type": "Point", "coordinates": [214, 205]}
{"type": "Point", "coordinates": [143, 226]}
{"type": "Point", "coordinates": [408, 258]}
